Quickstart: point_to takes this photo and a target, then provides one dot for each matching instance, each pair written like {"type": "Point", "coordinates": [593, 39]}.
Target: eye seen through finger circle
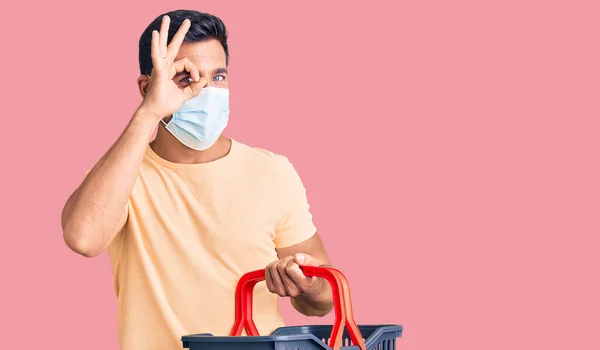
{"type": "Point", "coordinates": [186, 80]}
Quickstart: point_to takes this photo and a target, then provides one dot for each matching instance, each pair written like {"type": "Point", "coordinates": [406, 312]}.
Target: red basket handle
{"type": "Point", "coordinates": [341, 301]}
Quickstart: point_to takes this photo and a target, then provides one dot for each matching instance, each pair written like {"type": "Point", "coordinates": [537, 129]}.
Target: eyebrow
{"type": "Point", "coordinates": [216, 71]}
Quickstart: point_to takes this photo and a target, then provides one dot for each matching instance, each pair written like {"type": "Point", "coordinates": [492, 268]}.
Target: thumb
{"type": "Point", "coordinates": [305, 259]}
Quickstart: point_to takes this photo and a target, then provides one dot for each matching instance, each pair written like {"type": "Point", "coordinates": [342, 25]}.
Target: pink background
{"type": "Point", "coordinates": [449, 149]}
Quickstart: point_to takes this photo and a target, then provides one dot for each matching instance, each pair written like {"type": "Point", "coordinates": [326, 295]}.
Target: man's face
{"type": "Point", "coordinates": [209, 57]}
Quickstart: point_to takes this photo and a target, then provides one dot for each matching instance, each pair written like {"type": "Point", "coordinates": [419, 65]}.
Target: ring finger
{"type": "Point", "coordinates": [277, 281]}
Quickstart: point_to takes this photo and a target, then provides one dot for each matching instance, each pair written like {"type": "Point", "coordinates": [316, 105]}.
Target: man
{"type": "Point", "coordinates": [184, 216]}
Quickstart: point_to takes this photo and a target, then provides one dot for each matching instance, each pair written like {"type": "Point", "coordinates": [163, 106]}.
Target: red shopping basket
{"type": "Point", "coordinates": [364, 337]}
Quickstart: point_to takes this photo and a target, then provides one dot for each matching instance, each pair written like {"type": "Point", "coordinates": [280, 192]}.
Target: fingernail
{"type": "Point", "coordinates": [300, 258]}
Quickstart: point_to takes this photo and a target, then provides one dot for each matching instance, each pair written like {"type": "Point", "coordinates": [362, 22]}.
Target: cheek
{"type": "Point", "coordinates": [221, 84]}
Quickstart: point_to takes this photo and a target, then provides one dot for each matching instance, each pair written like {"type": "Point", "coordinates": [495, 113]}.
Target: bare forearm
{"type": "Point", "coordinates": [93, 212]}
{"type": "Point", "coordinates": [315, 303]}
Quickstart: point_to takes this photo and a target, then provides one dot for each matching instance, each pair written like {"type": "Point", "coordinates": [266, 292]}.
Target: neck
{"type": "Point", "coordinates": [169, 148]}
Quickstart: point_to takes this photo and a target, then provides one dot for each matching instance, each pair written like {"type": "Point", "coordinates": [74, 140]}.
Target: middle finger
{"type": "Point", "coordinates": [164, 35]}
{"type": "Point", "coordinates": [288, 283]}
{"type": "Point", "coordinates": [177, 40]}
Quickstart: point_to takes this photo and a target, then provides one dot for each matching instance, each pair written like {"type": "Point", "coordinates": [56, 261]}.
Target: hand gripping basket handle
{"type": "Point", "coordinates": [341, 301]}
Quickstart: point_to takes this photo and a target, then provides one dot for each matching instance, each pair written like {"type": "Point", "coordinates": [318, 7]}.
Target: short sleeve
{"type": "Point", "coordinates": [295, 224]}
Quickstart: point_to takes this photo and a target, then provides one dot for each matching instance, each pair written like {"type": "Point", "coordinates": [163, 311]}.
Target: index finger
{"type": "Point", "coordinates": [178, 38]}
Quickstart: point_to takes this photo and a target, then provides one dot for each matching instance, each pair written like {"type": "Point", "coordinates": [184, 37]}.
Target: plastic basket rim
{"type": "Point", "coordinates": [273, 337]}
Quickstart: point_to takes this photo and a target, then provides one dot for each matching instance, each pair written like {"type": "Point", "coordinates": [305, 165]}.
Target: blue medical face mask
{"type": "Point", "coordinates": [201, 120]}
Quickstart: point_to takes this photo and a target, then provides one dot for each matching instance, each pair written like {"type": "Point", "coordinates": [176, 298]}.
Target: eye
{"type": "Point", "coordinates": [183, 82]}
{"type": "Point", "coordinates": [219, 78]}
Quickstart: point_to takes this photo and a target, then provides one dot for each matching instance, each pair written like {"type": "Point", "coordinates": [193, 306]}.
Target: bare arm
{"type": "Point", "coordinates": [95, 212]}
{"type": "Point", "coordinates": [310, 296]}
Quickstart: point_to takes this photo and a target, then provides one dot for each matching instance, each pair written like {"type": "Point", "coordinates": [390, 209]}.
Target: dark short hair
{"type": "Point", "coordinates": [203, 27]}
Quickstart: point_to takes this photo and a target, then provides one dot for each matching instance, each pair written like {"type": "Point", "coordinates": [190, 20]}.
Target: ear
{"type": "Point", "coordinates": [143, 81]}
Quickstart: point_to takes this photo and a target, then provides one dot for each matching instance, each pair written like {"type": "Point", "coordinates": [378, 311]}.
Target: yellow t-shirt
{"type": "Point", "coordinates": [192, 231]}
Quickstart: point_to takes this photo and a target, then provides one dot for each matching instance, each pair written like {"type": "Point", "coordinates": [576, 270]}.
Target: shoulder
{"type": "Point", "coordinates": [263, 158]}
{"type": "Point", "coordinates": [271, 169]}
